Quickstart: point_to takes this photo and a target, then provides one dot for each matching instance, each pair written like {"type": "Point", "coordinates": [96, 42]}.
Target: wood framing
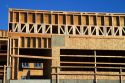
{"type": "Point", "coordinates": [60, 45]}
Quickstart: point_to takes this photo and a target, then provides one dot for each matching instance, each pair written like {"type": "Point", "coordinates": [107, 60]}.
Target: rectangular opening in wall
{"type": "Point", "coordinates": [16, 16]}
{"type": "Point", "coordinates": [31, 28]}
{"type": "Point", "coordinates": [101, 30]}
{"type": "Point", "coordinates": [23, 17]}
{"type": "Point", "coordinates": [69, 19]}
{"type": "Point", "coordinates": [23, 27]}
{"type": "Point", "coordinates": [110, 21]}
{"type": "Point", "coordinates": [95, 20]}
{"type": "Point", "coordinates": [39, 42]}
{"type": "Point", "coordinates": [49, 42]}
{"type": "Point", "coordinates": [11, 16]}
{"type": "Point", "coordinates": [116, 31]}
{"type": "Point", "coordinates": [77, 20]}
{"type": "Point", "coordinates": [22, 42]}
{"type": "Point", "coordinates": [55, 19]}
{"type": "Point", "coordinates": [85, 30]}
{"type": "Point", "coordinates": [28, 41]}
{"type": "Point", "coordinates": [62, 19]}
{"type": "Point", "coordinates": [39, 18]}
{"type": "Point", "coordinates": [55, 29]}
{"type": "Point", "coordinates": [83, 20]}
{"type": "Point", "coordinates": [91, 20]}
{"type": "Point", "coordinates": [118, 21]}
{"type": "Point", "coordinates": [34, 42]}
{"type": "Point", "coordinates": [10, 27]}
{"type": "Point", "coordinates": [35, 52]}
{"type": "Point", "coordinates": [87, 20]}
{"type": "Point", "coordinates": [39, 28]}
{"type": "Point", "coordinates": [109, 30]}
{"type": "Point", "coordinates": [93, 30]}
{"type": "Point", "coordinates": [77, 29]}
{"type": "Point", "coordinates": [31, 17]}
{"type": "Point", "coordinates": [62, 30]}
{"type": "Point", "coordinates": [15, 42]}
{"type": "Point", "coordinates": [47, 18]}
{"type": "Point", "coordinates": [70, 30]}
{"type": "Point", "coordinates": [102, 20]}
{"type": "Point", "coordinates": [124, 21]}
{"type": "Point", "coordinates": [76, 60]}
{"type": "Point", "coordinates": [44, 43]}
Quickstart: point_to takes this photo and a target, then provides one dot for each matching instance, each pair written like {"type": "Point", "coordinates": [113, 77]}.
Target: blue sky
{"type": "Point", "coordinates": [65, 5]}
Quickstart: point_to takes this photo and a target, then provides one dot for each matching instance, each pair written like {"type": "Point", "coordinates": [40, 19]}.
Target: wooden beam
{"type": "Point", "coordinates": [88, 74]}
{"type": "Point", "coordinates": [30, 56]}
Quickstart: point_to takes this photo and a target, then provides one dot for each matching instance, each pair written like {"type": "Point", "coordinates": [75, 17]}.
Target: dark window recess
{"type": "Point", "coordinates": [25, 64]}
{"type": "Point", "coordinates": [94, 19]}
{"type": "Point", "coordinates": [102, 20]}
{"type": "Point", "coordinates": [37, 65]}
{"type": "Point", "coordinates": [117, 21]}
{"type": "Point", "coordinates": [55, 29]}
{"type": "Point", "coordinates": [87, 20]}
{"type": "Point", "coordinates": [110, 21]}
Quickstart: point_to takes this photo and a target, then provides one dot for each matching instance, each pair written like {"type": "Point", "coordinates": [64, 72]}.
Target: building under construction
{"type": "Point", "coordinates": [63, 47]}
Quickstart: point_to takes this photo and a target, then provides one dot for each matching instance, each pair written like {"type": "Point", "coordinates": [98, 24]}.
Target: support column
{"type": "Point", "coordinates": [120, 75]}
{"type": "Point", "coordinates": [55, 64]}
{"type": "Point", "coordinates": [95, 80]}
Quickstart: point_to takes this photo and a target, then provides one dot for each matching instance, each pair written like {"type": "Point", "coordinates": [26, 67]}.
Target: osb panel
{"type": "Point", "coordinates": [16, 16]}
{"type": "Point", "coordinates": [69, 19]}
{"type": "Point", "coordinates": [76, 77]}
{"type": "Point", "coordinates": [56, 56]}
{"type": "Point", "coordinates": [54, 19]}
{"type": "Point", "coordinates": [96, 43]}
{"type": "Point", "coordinates": [108, 77]}
{"type": "Point", "coordinates": [58, 40]}
{"type": "Point", "coordinates": [77, 72]}
{"type": "Point", "coordinates": [38, 18]}
{"type": "Point", "coordinates": [61, 19]}
{"type": "Point", "coordinates": [30, 18]}
{"type": "Point", "coordinates": [83, 20]}
{"type": "Point", "coordinates": [10, 16]}
{"type": "Point", "coordinates": [76, 20]}
{"type": "Point", "coordinates": [23, 17]}
{"type": "Point", "coordinates": [122, 19]}
{"type": "Point", "coordinates": [99, 20]}
{"type": "Point", "coordinates": [32, 72]}
{"type": "Point", "coordinates": [91, 20]}
{"type": "Point", "coordinates": [106, 21]}
{"type": "Point", "coordinates": [36, 72]}
{"type": "Point", "coordinates": [47, 18]}
{"type": "Point", "coordinates": [114, 21]}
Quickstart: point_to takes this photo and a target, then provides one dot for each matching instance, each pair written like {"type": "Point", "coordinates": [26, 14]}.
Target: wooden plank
{"type": "Point", "coordinates": [92, 63]}
{"type": "Point", "coordinates": [31, 56]}
{"type": "Point", "coordinates": [13, 34]}
{"type": "Point", "coordinates": [88, 74]}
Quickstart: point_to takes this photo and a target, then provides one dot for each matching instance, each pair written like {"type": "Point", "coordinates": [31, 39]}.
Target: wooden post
{"type": "Point", "coordinates": [4, 77]}
{"type": "Point", "coordinates": [57, 70]}
{"type": "Point", "coordinates": [120, 75]}
{"type": "Point", "coordinates": [95, 80]}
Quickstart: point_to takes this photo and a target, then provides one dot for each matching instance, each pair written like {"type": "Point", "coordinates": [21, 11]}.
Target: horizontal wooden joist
{"type": "Point", "coordinates": [13, 34]}
{"type": "Point", "coordinates": [65, 12]}
{"type": "Point", "coordinates": [3, 54]}
{"type": "Point", "coordinates": [30, 56]}
{"type": "Point", "coordinates": [88, 67]}
{"type": "Point", "coordinates": [108, 63]}
{"type": "Point", "coordinates": [88, 74]}
{"type": "Point", "coordinates": [100, 56]}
